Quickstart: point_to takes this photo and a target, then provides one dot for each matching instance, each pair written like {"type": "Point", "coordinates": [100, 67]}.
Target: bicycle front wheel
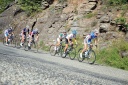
{"type": "Point", "coordinates": [25, 46]}
{"type": "Point", "coordinates": [52, 50]}
{"type": "Point", "coordinates": [91, 57]}
{"type": "Point", "coordinates": [72, 53]}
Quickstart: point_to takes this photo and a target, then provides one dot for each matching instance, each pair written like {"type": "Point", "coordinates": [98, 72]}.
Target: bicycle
{"type": "Point", "coordinates": [56, 50]}
{"type": "Point", "coordinates": [11, 40]}
{"type": "Point", "coordinates": [71, 52]}
{"type": "Point", "coordinates": [89, 54]}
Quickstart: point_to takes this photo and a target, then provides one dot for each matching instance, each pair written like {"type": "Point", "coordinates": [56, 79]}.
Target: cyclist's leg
{"type": "Point", "coordinates": [22, 39]}
{"type": "Point", "coordinates": [66, 45]}
{"type": "Point", "coordinates": [58, 43]}
{"type": "Point", "coordinates": [30, 40]}
{"type": "Point", "coordinates": [6, 38]}
{"type": "Point", "coordinates": [84, 48]}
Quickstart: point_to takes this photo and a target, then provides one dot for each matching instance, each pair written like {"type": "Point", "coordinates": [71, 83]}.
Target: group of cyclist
{"type": "Point", "coordinates": [63, 35]}
{"type": "Point", "coordinates": [69, 40]}
{"type": "Point", "coordinates": [25, 33]}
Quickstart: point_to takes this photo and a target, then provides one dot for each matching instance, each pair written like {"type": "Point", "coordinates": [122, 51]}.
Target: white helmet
{"type": "Point", "coordinates": [36, 29]}
{"type": "Point", "coordinates": [96, 31]}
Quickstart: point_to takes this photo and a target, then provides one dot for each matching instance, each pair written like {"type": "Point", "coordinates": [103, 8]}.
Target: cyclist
{"type": "Point", "coordinates": [34, 32]}
{"type": "Point", "coordinates": [60, 38]}
{"type": "Point", "coordinates": [8, 34]}
{"type": "Point", "coordinates": [23, 34]}
{"type": "Point", "coordinates": [68, 39]}
{"type": "Point", "coordinates": [88, 39]}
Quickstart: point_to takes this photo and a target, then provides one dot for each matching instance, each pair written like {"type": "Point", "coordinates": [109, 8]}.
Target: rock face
{"type": "Point", "coordinates": [57, 17]}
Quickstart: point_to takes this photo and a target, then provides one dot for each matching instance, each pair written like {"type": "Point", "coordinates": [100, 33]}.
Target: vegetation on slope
{"type": "Point", "coordinates": [4, 4]}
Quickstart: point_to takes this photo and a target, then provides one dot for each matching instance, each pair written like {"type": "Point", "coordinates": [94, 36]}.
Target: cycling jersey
{"type": "Point", "coordinates": [89, 38]}
{"type": "Point", "coordinates": [6, 33]}
{"type": "Point", "coordinates": [70, 36]}
{"type": "Point", "coordinates": [25, 30]}
{"type": "Point", "coordinates": [34, 32]}
{"type": "Point", "coordinates": [10, 30]}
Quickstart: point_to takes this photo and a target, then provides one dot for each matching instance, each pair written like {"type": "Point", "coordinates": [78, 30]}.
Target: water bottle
{"type": "Point", "coordinates": [9, 40]}
{"type": "Point", "coordinates": [86, 53]}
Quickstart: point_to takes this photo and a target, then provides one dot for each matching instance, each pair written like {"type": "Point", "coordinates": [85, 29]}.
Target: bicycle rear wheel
{"type": "Point", "coordinates": [91, 57]}
{"type": "Point", "coordinates": [13, 42]}
{"type": "Point", "coordinates": [72, 53]}
{"type": "Point", "coordinates": [52, 50]}
{"type": "Point", "coordinates": [25, 45]}
{"type": "Point", "coordinates": [61, 50]}
{"type": "Point", "coordinates": [79, 57]}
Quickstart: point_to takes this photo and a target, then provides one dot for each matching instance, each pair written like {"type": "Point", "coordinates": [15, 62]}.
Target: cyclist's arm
{"type": "Point", "coordinates": [75, 40]}
{"type": "Point", "coordinates": [96, 41]}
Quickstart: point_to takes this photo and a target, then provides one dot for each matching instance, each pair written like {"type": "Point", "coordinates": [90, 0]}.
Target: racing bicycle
{"type": "Point", "coordinates": [89, 55]}
{"type": "Point", "coordinates": [11, 40]}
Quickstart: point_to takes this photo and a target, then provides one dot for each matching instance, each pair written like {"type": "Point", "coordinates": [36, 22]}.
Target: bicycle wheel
{"type": "Point", "coordinates": [52, 50]}
{"type": "Point", "coordinates": [91, 57]}
{"type": "Point", "coordinates": [79, 58]}
{"type": "Point", "coordinates": [25, 45]}
{"type": "Point", "coordinates": [72, 53]}
{"type": "Point", "coordinates": [34, 46]}
{"type": "Point", "coordinates": [61, 50]}
{"type": "Point", "coordinates": [13, 43]}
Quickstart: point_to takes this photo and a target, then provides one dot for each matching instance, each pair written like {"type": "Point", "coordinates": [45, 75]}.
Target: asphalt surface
{"type": "Point", "coordinates": [19, 67]}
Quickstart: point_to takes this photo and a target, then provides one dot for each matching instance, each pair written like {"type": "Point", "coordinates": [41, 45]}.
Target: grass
{"type": "Point", "coordinates": [43, 46]}
{"type": "Point", "coordinates": [110, 56]}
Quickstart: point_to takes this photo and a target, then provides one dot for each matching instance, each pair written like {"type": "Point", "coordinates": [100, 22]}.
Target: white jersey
{"type": "Point", "coordinates": [6, 31]}
{"type": "Point", "coordinates": [70, 36]}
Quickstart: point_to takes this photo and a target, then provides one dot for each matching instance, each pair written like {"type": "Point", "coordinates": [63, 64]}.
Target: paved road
{"type": "Point", "coordinates": [19, 67]}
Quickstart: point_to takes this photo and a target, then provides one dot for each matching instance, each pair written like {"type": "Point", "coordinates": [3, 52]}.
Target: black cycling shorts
{"type": "Point", "coordinates": [66, 40]}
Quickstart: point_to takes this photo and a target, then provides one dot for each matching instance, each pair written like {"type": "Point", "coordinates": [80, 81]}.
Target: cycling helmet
{"type": "Point", "coordinates": [61, 35]}
{"type": "Point", "coordinates": [36, 29]}
{"type": "Point", "coordinates": [96, 31]}
{"type": "Point", "coordinates": [74, 32]}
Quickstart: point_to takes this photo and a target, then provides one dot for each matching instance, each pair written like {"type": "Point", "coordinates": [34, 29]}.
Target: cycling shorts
{"type": "Point", "coordinates": [6, 34]}
{"type": "Point", "coordinates": [66, 40]}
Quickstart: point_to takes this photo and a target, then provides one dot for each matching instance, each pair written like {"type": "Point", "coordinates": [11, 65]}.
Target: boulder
{"type": "Point", "coordinates": [105, 19]}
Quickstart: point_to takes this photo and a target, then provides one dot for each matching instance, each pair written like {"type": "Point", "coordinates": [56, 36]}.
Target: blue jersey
{"type": "Point", "coordinates": [89, 38]}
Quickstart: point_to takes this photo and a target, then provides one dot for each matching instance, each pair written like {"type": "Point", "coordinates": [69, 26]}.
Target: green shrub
{"type": "Point", "coordinates": [121, 20]}
{"type": "Point", "coordinates": [3, 4]}
{"type": "Point", "coordinates": [116, 2]}
{"type": "Point", "coordinates": [30, 6]}
{"type": "Point", "coordinates": [43, 46]}
{"type": "Point", "coordinates": [90, 15]}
